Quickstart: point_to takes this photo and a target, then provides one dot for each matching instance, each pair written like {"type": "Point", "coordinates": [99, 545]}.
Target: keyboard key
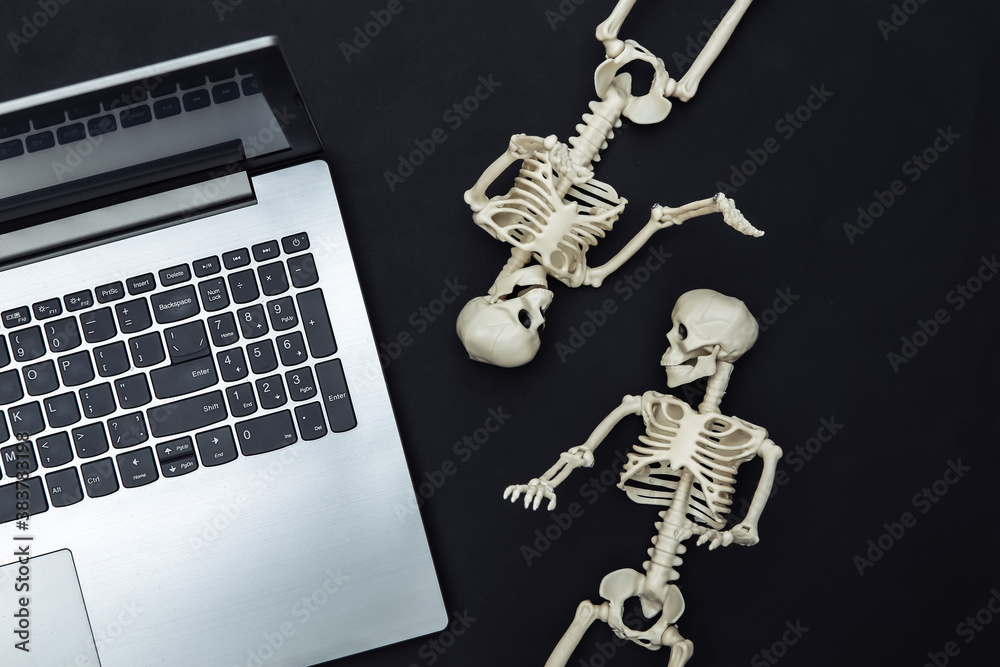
{"type": "Point", "coordinates": [186, 341]}
{"type": "Point", "coordinates": [207, 267]}
{"type": "Point", "coordinates": [54, 450]}
{"type": "Point", "coordinates": [175, 305]}
{"type": "Point", "coordinates": [226, 92]}
{"type": "Point", "coordinates": [26, 418]}
{"type": "Point", "coordinates": [232, 364]}
{"type": "Point", "coordinates": [76, 369]}
{"type": "Point", "coordinates": [216, 446]}
{"type": "Point", "coordinates": [62, 410]}
{"type": "Point", "coordinates": [10, 387]}
{"type": "Point", "coordinates": [27, 344]}
{"type": "Point", "coordinates": [63, 335]}
{"type": "Point", "coordinates": [310, 420]}
{"type": "Point", "coordinates": [198, 99]}
{"type": "Point", "coordinates": [14, 128]}
{"type": "Point", "coordinates": [301, 386]}
{"type": "Point", "coordinates": [250, 86]}
{"type": "Point", "coordinates": [186, 415]}
{"type": "Point", "coordinates": [110, 292]}
{"type": "Point", "coordinates": [90, 440]}
{"type": "Point", "coordinates": [319, 333]}
{"type": "Point", "coordinates": [15, 317]}
{"type": "Point", "coordinates": [282, 313]}
{"type": "Point", "coordinates": [162, 89]}
{"type": "Point", "coordinates": [184, 378]}
{"type": "Point", "coordinates": [4, 432]}
{"type": "Point", "coordinates": [336, 396]}
{"type": "Point", "coordinates": [99, 478]}
{"type": "Point", "coordinates": [267, 433]}
{"type": "Point", "coordinates": [242, 401]}
{"type": "Point", "coordinates": [135, 116]}
{"type": "Point", "coordinates": [40, 141]}
{"type": "Point", "coordinates": [262, 252]}
{"type": "Point", "coordinates": [192, 82]}
{"type": "Point", "coordinates": [234, 259]}
{"type": "Point", "coordinates": [64, 487]}
{"type": "Point", "coordinates": [262, 357]}
{"type": "Point", "coordinates": [137, 468]}
{"type": "Point", "coordinates": [70, 133]}
{"type": "Point", "coordinates": [213, 294]}
{"type": "Point", "coordinates": [19, 459]}
{"type": "Point", "coordinates": [79, 300]}
{"type": "Point", "coordinates": [40, 378]}
{"type": "Point", "coordinates": [295, 243]}
{"type": "Point", "coordinates": [98, 325]}
{"type": "Point", "coordinates": [133, 316]}
{"type": "Point", "coordinates": [97, 401]}
{"type": "Point", "coordinates": [180, 448]}
{"type": "Point", "coordinates": [292, 349]}
{"type": "Point", "coordinates": [175, 275]}
{"type": "Point", "coordinates": [272, 392]}
{"type": "Point", "coordinates": [141, 284]}
{"type": "Point", "coordinates": [11, 149]}
{"type": "Point", "coordinates": [243, 286]}
{"type": "Point", "coordinates": [128, 430]}
{"type": "Point", "coordinates": [45, 309]}
{"type": "Point", "coordinates": [133, 391]}
{"type": "Point", "coordinates": [82, 111]}
{"type": "Point", "coordinates": [147, 350]}
{"type": "Point", "coordinates": [166, 108]}
{"type": "Point", "coordinates": [303, 270]}
{"type": "Point", "coordinates": [178, 467]}
{"type": "Point", "coordinates": [9, 497]}
{"type": "Point", "coordinates": [48, 119]}
{"type": "Point", "coordinates": [102, 125]}
{"type": "Point", "coordinates": [253, 322]}
{"type": "Point", "coordinates": [223, 330]}
{"type": "Point", "coordinates": [4, 353]}
{"type": "Point", "coordinates": [272, 278]}
{"type": "Point", "coordinates": [111, 359]}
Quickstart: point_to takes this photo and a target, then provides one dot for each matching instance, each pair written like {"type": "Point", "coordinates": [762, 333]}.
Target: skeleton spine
{"type": "Point", "coordinates": [716, 387]}
{"type": "Point", "coordinates": [596, 130]}
{"type": "Point", "coordinates": [671, 530]}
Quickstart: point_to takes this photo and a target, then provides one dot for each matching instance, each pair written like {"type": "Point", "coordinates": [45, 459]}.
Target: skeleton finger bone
{"type": "Point", "coordinates": [534, 491]}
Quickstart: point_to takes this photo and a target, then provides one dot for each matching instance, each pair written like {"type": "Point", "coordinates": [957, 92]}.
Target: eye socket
{"type": "Point", "coordinates": [524, 318]}
{"type": "Point", "coordinates": [682, 331]}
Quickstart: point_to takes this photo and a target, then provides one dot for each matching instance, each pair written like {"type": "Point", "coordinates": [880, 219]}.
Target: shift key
{"type": "Point", "coordinates": [187, 415]}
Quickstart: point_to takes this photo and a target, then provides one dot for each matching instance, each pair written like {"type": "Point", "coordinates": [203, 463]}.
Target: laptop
{"type": "Point", "coordinates": [200, 464]}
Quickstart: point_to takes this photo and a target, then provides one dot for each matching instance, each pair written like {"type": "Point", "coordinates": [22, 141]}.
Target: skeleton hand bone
{"type": "Point", "coordinates": [536, 490]}
{"type": "Point", "coordinates": [715, 538]}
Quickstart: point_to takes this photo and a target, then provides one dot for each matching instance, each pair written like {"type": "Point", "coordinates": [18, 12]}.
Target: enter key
{"type": "Point", "coordinates": [184, 378]}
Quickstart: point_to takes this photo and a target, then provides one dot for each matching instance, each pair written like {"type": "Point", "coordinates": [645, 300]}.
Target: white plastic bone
{"type": "Point", "coordinates": [556, 210]}
{"type": "Point", "coordinates": [687, 462]}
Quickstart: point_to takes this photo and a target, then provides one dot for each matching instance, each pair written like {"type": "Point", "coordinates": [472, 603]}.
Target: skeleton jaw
{"type": "Point", "coordinates": [682, 369]}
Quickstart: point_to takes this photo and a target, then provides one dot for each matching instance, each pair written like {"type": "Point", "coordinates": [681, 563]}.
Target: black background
{"type": "Point", "coordinates": [824, 360]}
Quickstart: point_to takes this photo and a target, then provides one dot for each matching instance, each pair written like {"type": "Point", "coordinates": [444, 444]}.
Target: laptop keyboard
{"type": "Point", "coordinates": [138, 375]}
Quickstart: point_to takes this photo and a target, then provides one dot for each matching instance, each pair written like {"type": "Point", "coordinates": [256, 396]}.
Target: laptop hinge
{"type": "Point", "coordinates": [127, 218]}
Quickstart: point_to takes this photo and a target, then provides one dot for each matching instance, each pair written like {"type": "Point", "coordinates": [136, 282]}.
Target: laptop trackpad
{"type": "Point", "coordinates": [53, 624]}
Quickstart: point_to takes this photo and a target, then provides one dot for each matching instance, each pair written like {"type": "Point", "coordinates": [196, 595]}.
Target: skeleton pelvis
{"type": "Point", "coordinates": [621, 585]}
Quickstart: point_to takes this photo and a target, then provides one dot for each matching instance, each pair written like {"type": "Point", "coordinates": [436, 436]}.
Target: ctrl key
{"type": "Point", "coordinates": [99, 478]}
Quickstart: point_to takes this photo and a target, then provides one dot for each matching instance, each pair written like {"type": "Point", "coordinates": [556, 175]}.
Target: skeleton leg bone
{"type": "Point", "coordinates": [688, 84]}
{"type": "Point", "coordinates": [607, 31]}
{"type": "Point", "coordinates": [586, 614]}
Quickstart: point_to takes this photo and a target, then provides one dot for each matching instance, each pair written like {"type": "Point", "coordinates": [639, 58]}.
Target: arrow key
{"type": "Point", "coordinates": [174, 449]}
{"type": "Point", "coordinates": [216, 446]}
{"type": "Point", "coordinates": [178, 467]}
{"type": "Point", "coordinates": [137, 468]}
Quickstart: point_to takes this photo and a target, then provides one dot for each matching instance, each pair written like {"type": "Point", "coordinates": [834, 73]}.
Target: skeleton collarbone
{"type": "Point", "coordinates": [710, 446]}
{"type": "Point", "coordinates": [557, 230]}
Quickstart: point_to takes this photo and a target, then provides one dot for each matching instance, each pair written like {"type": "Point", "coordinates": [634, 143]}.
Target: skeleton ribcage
{"type": "Point", "coordinates": [557, 231]}
{"type": "Point", "coordinates": [709, 445]}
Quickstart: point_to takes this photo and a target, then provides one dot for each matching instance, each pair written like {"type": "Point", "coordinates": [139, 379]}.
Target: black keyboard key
{"type": "Point", "coordinates": [141, 284]}
{"type": "Point", "coordinates": [137, 468]}
{"type": "Point", "coordinates": [147, 350]}
{"type": "Point", "coordinates": [40, 141]}
{"type": "Point", "coordinates": [213, 294]}
{"type": "Point", "coordinates": [76, 369]}
{"type": "Point", "coordinates": [310, 420]}
{"type": "Point", "coordinates": [262, 357]}
{"type": "Point", "coordinates": [45, 309]}
{"type": "Point", "coordinates": [11, 149]}
{"type": "Point", "coordinates": [166, 108]}
{"type": "Point", "coordinates": [162, 89]}
{"type": "Point", "coordinates": [253, 322]}
{"type": "Point", "coordinates": [79, 300]}
{"type": "Point", "coordinates": [98, 325]}
{"type": "Point", "coordinates": [226, 92]}
{"type": "Point", "coordinates": [90, 440]}
{"type": "Point", "coordinates": [181, 448]}
{"type": "Point", "coordinates": [102, 125]}
{"type": "Point", "coordinates": [272, 392]}
{"type": "Point", "coordinates": [184, 378]}
{"type": "Point", "coordinates": [19, 459]}
{"type": "Point", "coordinates": [282, 313]}
{"type": "Point", "coordinates": [15, 317]}
{"type": "Point", "coordinates": [295, 243]}
{"type": "Point", "coordinates": [27, 344]}
{"type": "Point", "coordinates": [48, 119]}
{"type": "Point", "coordinates": [232, 364]}
{"type": "Point", "coordinates": [111, 359]}
{"type": "Point", "coordinates": [242, 401]}
{"type": "Point", "coordinates": [234, 259]}
{"type": "Point", "coordinates": [10, 387]}
{"type": "Point", "coordinates": [197, 99]}
{"type": "Point", "coordinates": [301, 386]}
{"type": "Point", "coordinates": [63, 335]}
{"type": "Point", "coordinates": [62, 410]}
{"type": "Point", "coordinates": [243, 286]}
{"type": "Point", "coordinates": [336, 396]}
{"type": "Point", "coordinates": [292, 349]}
{"type": "Point", "coordinates": [54, 450]}
{"type": "Point", "coordinates": [84, 110]}
{"type": "Point", "coordinates": [207, 267]}
{"type": "Point", "coordinates": [26, 418]}
{"type": "Point", "coordinates": [4, 353]}
{"type": "Point", "coordinates": [70, 133]}
{"type": "Point", "coordinates": [110, 292]}
{"type": "Point", "coordinates": [12, 499]}
{"type": "Point", "coordinates": [262, 252]}
{"type": "Point", "coordinates": [4, 432]}
{"type": "Point", "coordinates": [97, 401]}
{"type": "Point", "coordinates": [135, 116]}
{"type": "Point", "coordinates": [216, 446]}
{"type": "Point", "coordinates": [178, 467]}
{"type": "Point", "coordinates": [133, 316]}
{"type": "Point", "coordinates": [302, 269]}
{"type": "Point", "coordinates": [186, 341]}
{"type": "Point", "coordinates": [64, 487]}
{"type": "Point", "coordinates": [14, 128]}
{"type": "Point", "coordinates": [272, 278]}
{"type": "Point", "coordinates": [133, 391]}
{"type": "Point", "coordinates": [175, 275]}
{"type": "Point", "coordinates": [250, 86]}
{"type": "Point", "coordinates": [267, 433]}
{"type": "Point", "coordinates": [187, 414]}
{"type": "Point", "coordinates": [99, 478]}
{"type": "Point", "coordinates": [128, 430]}
{"type": "Point", "coordinates": [223, 328]}
{"type": "Point", "coordinates": [175, 305]}
{"type": "Point", "coordinates": [40, 378]}
{"type": "Point", "coordinates": [316, 322]}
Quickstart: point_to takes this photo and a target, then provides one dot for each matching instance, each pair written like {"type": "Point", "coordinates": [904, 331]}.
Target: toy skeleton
{"type": "Point", "coordinates": [687, 462]}
{"type": "Point", "coordinates": [557, 210]}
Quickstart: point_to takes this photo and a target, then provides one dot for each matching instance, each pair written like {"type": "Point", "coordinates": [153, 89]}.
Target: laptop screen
{"type": "Point", "coordinates": [236, 106]}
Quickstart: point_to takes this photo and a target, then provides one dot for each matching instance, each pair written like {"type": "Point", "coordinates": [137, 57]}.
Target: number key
{"type": "Point", "coordinates": [26, 344]}
{"type": "Point", "coordinates": [292, 349]}
{"type": "Point", "coordinates": [282, 313]}
{"type": "Point", "coordinates": [253, 322]}
{"type": "Point", "coordinates": [232, 364]}
{"type": "Point", "coordinates": [63, 334]}
{"type": "Point", "coordinates": [262, 357]}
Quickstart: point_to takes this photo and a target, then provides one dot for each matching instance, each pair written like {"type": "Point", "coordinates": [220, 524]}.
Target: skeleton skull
{"type": "Point", "coordinates": [502, 328]}
{"type": "Point", "coordinates": [707, 327]}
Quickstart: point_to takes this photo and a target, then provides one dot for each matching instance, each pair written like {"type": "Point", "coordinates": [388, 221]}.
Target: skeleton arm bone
{"type": "Point", "coordinates": [575, 457]}
{"type": "Point", "coordinates": [607, 31]}
{"type": "Point", "coordinates": [688, 85]}
{"type": "Point", "coordinates": [521, 147]}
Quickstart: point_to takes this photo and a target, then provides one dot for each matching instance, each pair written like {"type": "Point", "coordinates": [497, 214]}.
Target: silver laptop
{"type": "Point", "coordinates": [200, 464]}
